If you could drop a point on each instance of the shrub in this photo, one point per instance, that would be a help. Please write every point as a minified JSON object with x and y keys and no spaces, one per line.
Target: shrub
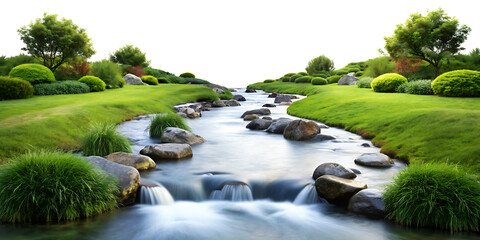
{"x":387,"y":82}
{"x":53,"y":186}
{"x":303,"y":73}
{"x":187,"y":75}
{"x":285,"y":79}
{"x":359,"y":74}
{"x":6,"y":64}
{"x":72,"y":70}
{"x":137,"y":70}
{"x":162,"y":121}
{"x":419,"y":87}
{"x":319,"y":81}
{"x":434,"y":195}
{"x":379,"y":66}
{"x":319,"y":64}
{"x":194,"y":81}
{"x":150,"y":80}
{"x":459,"y":83}
{"x":103,"y":139}
{"x":96,"y":84}
{"x":334,"y":78}
{"x":14,"y":88}
{"x":226,"y":95}
{"x":33,"y":73}
{"x":162,"y":80}
{"x":364,"y":82}
{"x":269,"y":81}
{"x":304,"y":79}
{"x":158,"y":73}
{"x":340,"y":72}
{"x":109,"y":72}
{"x":289,"y":74}
{"x":401,"y":88}
{"x":322,"y":75}
{"x":174,"y":79}
{"x":294,"y":77}
{"x":64,"y":87}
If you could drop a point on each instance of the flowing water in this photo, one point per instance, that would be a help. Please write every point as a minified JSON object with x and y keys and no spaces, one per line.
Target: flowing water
{"x":240,"y":184}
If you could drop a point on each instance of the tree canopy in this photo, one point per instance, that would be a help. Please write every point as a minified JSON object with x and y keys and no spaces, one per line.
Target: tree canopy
{"x":54,"y":42}
{"x":430,"y":38}
{"x":130,"y":55}
{"x":319,"y":64}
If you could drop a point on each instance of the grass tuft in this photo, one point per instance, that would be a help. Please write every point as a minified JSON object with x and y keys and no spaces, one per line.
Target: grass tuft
{"x":103,"y":139}
{"x":162,"y":121}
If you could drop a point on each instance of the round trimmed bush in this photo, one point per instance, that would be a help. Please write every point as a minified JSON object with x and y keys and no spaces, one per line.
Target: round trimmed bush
{"x":434,"y":195}
{"x":14,"y":88}
{"x":364,"y":82}
{"x":334,"y":78}
{"x":285,"y":79}
{"x":294,"y":77}
{"x":187,"y":75}
{"x":103,"y":139}
{"x":459,"y":83}
{"x":96,"y":84}
{"x":319,"y":81}
{"x":150,"y":80}
{"x":387,"y":82}
{"x":162,"y":80}
{"x":303,"y":73}
{"x":269,"y":81}
{"x":42,"y":187}
{"x":33,"y":73}
{"x":304,"y":79}
{"x":162,"y":121}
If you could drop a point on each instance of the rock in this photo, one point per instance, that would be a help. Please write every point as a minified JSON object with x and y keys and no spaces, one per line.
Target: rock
{"x":183,"y":115}
{"x":128,"y":178}
{"x":272,"y":95}
{"x":378,"y":160}
{"x":218,"y":104}
{"x":250,"y":90}
{"x":337,"y":190}
{"x":279,"y":125}
{"x":138,"y":161}
{"x":167,"y":151}
{"x":293,"y":97}
{"x":282,"y":98}
{"x":207,"y":105}
{"x":334,"y":169}
{"x":368,"y":202}
{"x":178,"y":135}
{"x":356,"y":171}
{"x":260,"y":111}
{"x":348,"y":79}
{"x":250,"y":117}
{"x":269,"y":105}
{"x":232,"y":89}
{"x":239,"y":98}
{"x":365,"y":145}
{"x":301,"y":130}
{"x":284,"y":103}
{"x":323,"y":137}
{"x":194,"y":115}
{"x":218,"y":91}
{"x":321,"y":125}
{"x":267,"y":118}
{"x":232,"y":103}
{"x":259,"y":124}
{"x":131,"y":79}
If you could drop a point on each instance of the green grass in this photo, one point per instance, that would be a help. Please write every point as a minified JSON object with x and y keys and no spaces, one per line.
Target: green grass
{"x":227,"y":95}
{"x":103,"y":139}
{"x":409,"y":127}
{"x":162,"y":121}
{"x":60,"y":121}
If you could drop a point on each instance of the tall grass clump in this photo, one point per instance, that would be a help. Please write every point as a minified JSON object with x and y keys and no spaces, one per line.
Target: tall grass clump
{"x":364,"y":82}
{"x":41,"y":187}
{"x":419,"y":87}
{"x":162,"y":121}
{"x":226,"y":95}
{"x":109,"y":72}
{"x":103,"y":139}
{"x":434,"y":195}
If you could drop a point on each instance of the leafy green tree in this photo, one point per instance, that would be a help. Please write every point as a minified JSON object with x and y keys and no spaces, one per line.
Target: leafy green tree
{"x":430,"y":38}
{"x":319,"y":64}
{"x":54,"y":42}
{"x":130,"y":55}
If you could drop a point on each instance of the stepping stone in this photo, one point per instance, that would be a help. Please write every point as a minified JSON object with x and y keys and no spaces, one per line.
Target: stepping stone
{"x":138,"y":161}
{"x":167,"y":151}
{"x":333,"y":169}
{"x":377,"y":160}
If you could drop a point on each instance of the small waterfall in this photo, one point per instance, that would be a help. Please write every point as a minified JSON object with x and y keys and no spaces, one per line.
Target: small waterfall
{"x":308,"y":195}
{"x":157,"y":195}
{"x":235,"y":192}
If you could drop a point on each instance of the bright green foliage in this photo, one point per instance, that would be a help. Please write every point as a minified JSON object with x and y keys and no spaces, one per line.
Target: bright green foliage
{"x":109,"y":72}
{"x":359,"y":73}
{"x":103,"y":139}
{"x":194,"y":81}
{"x":319,"y":81}
{"x":434,"y":195}
{"x":334,"y":78}
{"x":130,"y":55}
{"x":268,"y":81}
{"x":378,"y":66}
{"x":289,"y":74}
{"x":33,"y":73}
{"x":304,"y":79}
{"x":364,"y":82}
{"x":187,"y":75}
{"x":42,"y":187}
{"x":96,"y":84}
{"x":14,"y":88}
{"x":319,"y":64}
{"x":460,"y":83}
{"x":387,"y":82}
{"x":6,"y":64}
{"x":341,"y":72}
{"x":150,"y":80}
{"x":162,"y":80}
{"x":294,"y":77}
{"x":226,"y":95}
{"x":285,"y":79}
{"x":303,"y":73}
{"x":54,"y":42}
{"x":419,"y":87}
{"x":63,"y":87}
{"x":162,"y":121}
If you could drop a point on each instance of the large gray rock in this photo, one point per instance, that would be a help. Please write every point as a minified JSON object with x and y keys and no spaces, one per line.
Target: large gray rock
{"x":301,"y":130}
{"x":131,"y":79}
{"x":368,"y":202}
{"x":377,"y":160}
{"x":333,"y":169}
{"x":250,"y":117}
{"x":279,"y":125}
{"x":239,"y":98}
{"x":232,"y":103}
{"x":282,"y":98}
{"x":337,"y":190}
{"x":178,"y":135}
{"x":218,"y":104}
{"x":218,"y":91}
{"x":167,"y":151}
{"x":348,"y":79}
{"x":260,"y":111}
{"x":138,"y":161}
{"x":259,"y":124}
{"x":128,"y":178}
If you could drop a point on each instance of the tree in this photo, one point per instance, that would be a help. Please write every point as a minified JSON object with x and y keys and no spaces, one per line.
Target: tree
{"x":130,"y":55}
{"x":54,"y":42}
{"x":319,"y":64}
{"x":430,"y":38}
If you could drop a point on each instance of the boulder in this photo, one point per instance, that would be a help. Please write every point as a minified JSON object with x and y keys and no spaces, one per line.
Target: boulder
{"x":167,"y":151}
{"x":337,"y":190}
{"x":267,"y":118}
{"x":377,"y":160}
{"x":323,"y":137}
{"x":269,"y":105}
{"x":232,"y":103}
{"x":259,"y":124}
{"x":333,"y":169}
{"x":348,"y":79}
{"x":368,"y":202}
{"x":279,"y":125}
{"x":138,"y":161}
{"x":272,"y":95}
{"x":128,"y":178}
{"x":260,"y":111}
{"x":232,"y":89}
{"x":218,"y":104}
{"x":301,"y":130}
{"x":282,"y":98}
{"x":131,"y":79}
{"x":250,"y":91}
{"x":250,"y":117}
{"x":239,"y":98}
{"x":365,"y":145}
{"x":178,"y":135}
{"x":218,"y":91}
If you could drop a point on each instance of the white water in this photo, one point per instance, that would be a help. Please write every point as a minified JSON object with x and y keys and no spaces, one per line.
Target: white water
{"x":157,"y":195}
{"x":238,"y":192}
{"x":308,"y":195}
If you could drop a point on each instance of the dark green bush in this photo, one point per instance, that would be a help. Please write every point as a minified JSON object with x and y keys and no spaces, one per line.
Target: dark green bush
{"x":33,"y":73}
{"x":340,"y":72}
{"x":387,"y":82}
{"x":158,"y":73}
{"x":162,"y":80}
{"x":434,"y":195}
{"x":226,"y":95}
{"x":459,"y":83}
{"x":44,"y":186}
{"x":96,"y":84}
{"x":364,"y":82}
{"x":322,"y":75}
{"x":268,"y":81}
{"x":103,"y":139}
{"x":419,"y":87}
{"x":334,"y":79}
{"x":194,"y":81}
{"x":303,"y":73}
{"x":63,"y":87}
{"x":162,"y":121}
{"x":378,"y":66}
{"x":285,"y":79}
{"x":150,"y":80}
{"x":304,"y":79}
{"x":14,"y":88}
{"x":187,"y":75}
{"x":109,"y":72}
{"x":289,"y":74}
{"x":294,"y":77}
{"x":319,"y":81}
{"x":174,"y":79}
{"x":359,"y":74}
